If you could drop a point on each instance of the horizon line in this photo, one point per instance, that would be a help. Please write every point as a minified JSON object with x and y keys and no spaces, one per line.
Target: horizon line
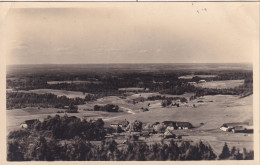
{"x":136,"y":63}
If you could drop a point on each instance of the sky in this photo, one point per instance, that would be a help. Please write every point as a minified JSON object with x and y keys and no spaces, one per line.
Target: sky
{"x":83,"y":33}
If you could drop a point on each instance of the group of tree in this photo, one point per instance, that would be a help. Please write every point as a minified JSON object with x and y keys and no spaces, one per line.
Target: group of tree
{"x":42,"y":149}
{"x":162,"y":97}
{"x":22,"y":100}
{"x":80,"y":150}
{"x":235,"y":154}
{"x":63,"y":128}
{"x":107,"y":108}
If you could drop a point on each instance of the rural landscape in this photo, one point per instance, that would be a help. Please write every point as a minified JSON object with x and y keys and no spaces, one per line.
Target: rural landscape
{"x":130,"y":81}
{"x":124,"y":112}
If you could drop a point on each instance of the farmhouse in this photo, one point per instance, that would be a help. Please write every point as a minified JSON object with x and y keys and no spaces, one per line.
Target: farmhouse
{"x":28,"y":123}
{"x":227,"y":127}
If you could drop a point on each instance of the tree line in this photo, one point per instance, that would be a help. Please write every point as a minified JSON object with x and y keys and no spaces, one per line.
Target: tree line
{"x":22,"y":100}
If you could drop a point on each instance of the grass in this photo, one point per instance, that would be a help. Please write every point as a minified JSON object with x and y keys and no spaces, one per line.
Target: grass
{"x":201,"y":76}
{"x":221,"y":84}
{"x":73,"y":82}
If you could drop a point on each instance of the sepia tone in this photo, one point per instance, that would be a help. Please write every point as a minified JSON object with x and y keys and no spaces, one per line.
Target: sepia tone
{"x":165,"y":81}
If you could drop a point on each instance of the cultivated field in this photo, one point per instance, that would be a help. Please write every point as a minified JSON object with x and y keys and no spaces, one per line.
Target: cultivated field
{"x":221,"y":84}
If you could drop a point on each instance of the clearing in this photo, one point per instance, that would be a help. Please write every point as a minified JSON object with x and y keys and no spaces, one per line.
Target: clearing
{"x":221,"y":84}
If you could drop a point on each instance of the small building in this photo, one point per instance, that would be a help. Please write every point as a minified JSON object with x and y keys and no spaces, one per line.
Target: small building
{"x":28,"y":123}
{"x":184,"y":125}
{"x":192,"y":83}
{"x":169,"y":134}
{"x":170,"y":128}
{"x":202,"y":81}
{"x":115,"y":125}
{"x":23,"y":125}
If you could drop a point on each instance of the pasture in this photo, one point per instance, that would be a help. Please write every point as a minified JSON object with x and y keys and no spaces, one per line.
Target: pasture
{"x":221,"y":84}
{"x":199,"y":75}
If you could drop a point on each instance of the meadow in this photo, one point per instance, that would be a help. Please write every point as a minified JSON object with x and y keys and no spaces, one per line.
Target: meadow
{"x":221,"y":84}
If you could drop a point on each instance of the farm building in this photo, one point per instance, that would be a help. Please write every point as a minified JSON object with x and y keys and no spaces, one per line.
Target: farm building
{"x":169,"y":123}
{"x":169,"y":134}
{"x":202,"y":81}
{"x":28,"y":123}
{"x":192,"y":83}
{"x":184,"y":125}
{"x":115,"y":125}
{"x":243,"y":129}
{"x":170,"y":128}
{"x":177,"y":125}
{"x":227,"y":127}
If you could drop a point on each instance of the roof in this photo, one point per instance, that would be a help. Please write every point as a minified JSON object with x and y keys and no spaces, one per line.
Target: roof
{"x":168,"y":133}
{"x":169,"y":122}
{"x":244,"y":128}
{"x":30,"y":121}
{"x":235,"y":124}
{"x":183,"y":124}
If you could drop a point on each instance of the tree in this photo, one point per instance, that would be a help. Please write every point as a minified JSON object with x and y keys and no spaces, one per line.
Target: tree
{"x":14,"y":152}
{"x":41,"y":150}
{"x":72,"y":108}
{"x":225,"y":154}
{"x":137,"y":126}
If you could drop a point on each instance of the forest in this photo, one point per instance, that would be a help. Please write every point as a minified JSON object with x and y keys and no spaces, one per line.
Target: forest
{"x":16,"y":100}
{"x":163,"y":82}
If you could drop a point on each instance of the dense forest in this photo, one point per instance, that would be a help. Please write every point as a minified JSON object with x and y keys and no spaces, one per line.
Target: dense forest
{"x":48,"y":140}
{"x":48,"y":100}
{"x":109,"y":83}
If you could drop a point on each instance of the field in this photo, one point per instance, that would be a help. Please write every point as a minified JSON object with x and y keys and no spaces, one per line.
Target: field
{"x":73,"y":82}
{"x":69,"y":94}
{"x":221,"y":84}
{"x":131,"y":89}
{"x":212,"y":111}
{"x":201,"y":76}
